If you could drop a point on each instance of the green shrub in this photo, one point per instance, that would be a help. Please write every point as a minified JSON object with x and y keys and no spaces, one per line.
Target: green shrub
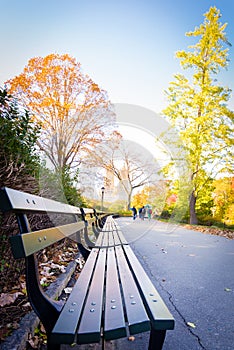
{"x":18,"y":137}
{"x":125,"y":213}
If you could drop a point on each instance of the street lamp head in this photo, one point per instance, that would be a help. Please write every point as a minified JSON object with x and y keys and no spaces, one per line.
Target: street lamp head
{"x":103,"y":188}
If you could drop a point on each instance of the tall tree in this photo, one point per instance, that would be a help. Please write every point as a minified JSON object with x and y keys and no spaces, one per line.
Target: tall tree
{"x":127,"y":163}
{"x":74,"y":113}
{"x":199,"y":110}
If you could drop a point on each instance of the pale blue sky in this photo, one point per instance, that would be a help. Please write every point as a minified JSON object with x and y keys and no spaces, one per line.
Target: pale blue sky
{"x":125,"y":46}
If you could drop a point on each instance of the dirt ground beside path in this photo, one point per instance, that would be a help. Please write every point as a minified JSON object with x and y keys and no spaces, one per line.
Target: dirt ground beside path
{"x":227,"y":233}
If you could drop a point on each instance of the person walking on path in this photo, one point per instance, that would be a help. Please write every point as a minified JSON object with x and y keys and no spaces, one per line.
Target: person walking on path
{"x":149,"y":213}
{"x":134,"y":213}
{"x":142,"y":213}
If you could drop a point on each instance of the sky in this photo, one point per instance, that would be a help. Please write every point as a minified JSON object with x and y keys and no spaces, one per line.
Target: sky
{"x":127,"y":47}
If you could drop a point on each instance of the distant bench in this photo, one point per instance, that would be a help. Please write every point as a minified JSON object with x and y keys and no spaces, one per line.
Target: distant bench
{"x":112,"y":298}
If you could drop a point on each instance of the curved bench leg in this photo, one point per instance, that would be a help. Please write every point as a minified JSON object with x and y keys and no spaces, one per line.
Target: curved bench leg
{"x":156,"y":339}
{"x":88,"y":242}
{"x":96,"y":231}
{"x":84,"y":252}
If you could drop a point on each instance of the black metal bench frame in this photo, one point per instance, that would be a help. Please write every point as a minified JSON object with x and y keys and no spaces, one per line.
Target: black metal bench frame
{"x":113,"y":296}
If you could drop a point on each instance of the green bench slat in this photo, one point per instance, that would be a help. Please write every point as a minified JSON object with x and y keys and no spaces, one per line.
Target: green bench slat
{"x":121,"y":237}
{"x":29,"y":243}
{"x":114,"y":326}
{"x":160,"y":316}
{"x":137,"y":318}
{"x":64,"y":331}
{"x":111,"y":240}
{"x":110,"y":236}
{"x":99,"y":240}
{"x":105,"y":241}
{"x":25,"y":202}
{"x":89,"y":330}
{"x":116,"y":238}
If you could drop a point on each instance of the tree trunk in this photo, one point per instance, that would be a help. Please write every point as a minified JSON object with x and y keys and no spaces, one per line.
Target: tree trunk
{"x":193,"y":217}
{"x":129,"y":201}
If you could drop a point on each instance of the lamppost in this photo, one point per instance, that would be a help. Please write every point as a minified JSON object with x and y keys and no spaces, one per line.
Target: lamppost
{"x":102,"y":189}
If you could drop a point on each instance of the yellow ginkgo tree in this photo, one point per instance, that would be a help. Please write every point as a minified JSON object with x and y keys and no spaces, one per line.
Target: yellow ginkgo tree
{"x":198,"y":106}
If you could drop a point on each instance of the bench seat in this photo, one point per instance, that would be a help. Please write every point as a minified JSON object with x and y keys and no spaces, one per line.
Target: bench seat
{"x":113,"y":296}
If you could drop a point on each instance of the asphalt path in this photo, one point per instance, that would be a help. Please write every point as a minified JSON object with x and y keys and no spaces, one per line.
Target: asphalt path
{"x":193,"y":273}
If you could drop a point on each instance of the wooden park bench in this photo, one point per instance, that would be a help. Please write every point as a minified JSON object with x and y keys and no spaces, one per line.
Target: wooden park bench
{"x":113,"y":296}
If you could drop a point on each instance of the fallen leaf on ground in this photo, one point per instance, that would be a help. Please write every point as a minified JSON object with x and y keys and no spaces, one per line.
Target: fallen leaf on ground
{"x":42,"y":328}
{"x":131,"y":338}
{"x":8,"y":298}
{"x":68,"y":290}
{"x":26,"y":305}
{"x":79,"y":262}
{"x":191,"y":324}
{"x":33,"y":342}
{"x":163,"y":250}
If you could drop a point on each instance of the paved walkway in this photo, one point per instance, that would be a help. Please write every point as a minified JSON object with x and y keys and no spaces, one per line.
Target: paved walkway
{"x":193,"y":272}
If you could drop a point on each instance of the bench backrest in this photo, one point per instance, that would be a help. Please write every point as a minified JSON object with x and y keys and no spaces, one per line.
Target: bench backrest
{"x":22,"y":203}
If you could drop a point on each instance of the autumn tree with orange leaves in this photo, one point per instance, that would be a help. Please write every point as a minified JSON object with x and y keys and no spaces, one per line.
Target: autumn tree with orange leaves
{"x":74,"y":113}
